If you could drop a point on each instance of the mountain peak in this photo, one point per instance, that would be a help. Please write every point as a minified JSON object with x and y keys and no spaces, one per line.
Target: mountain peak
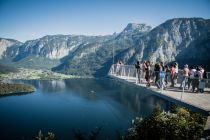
{"x":137,"y":27}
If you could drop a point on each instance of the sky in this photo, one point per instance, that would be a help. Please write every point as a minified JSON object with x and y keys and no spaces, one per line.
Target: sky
{"x":31,"y":19}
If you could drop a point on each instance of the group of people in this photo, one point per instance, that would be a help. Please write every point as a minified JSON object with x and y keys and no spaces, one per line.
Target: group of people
{"x":195,"y":77}
{"x":163,"y":74}
{"x":158,"y":73}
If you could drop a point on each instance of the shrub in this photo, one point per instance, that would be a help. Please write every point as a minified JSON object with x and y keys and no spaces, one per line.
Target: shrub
{"x":181,"y":124}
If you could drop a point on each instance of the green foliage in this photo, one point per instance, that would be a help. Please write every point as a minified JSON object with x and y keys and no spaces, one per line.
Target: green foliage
{"x":78,"y":135}
{"x":33,"y":62}
{"x":49,"y":136}
{"x":39,"y":136}
{"x":156,"y":111}
{"x":180,"y":125}
{"x":7,"y":69}
{"x":6,"y":89}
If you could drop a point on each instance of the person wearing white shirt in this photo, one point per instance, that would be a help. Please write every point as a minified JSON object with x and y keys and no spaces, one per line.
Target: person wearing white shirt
{"x":191,"y":73}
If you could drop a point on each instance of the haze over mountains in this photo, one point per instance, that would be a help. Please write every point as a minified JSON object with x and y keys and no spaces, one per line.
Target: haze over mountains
{"x":186,"y":40}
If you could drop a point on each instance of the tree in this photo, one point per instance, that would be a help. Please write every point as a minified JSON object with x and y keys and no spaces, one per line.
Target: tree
{"x":180,"y":124}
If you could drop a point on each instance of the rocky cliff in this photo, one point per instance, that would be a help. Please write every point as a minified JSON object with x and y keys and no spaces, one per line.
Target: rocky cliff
{"x":8,"y":47}
{"x":168,"y":41}
{"x":186,"y":40}
{"x":96,"y":58}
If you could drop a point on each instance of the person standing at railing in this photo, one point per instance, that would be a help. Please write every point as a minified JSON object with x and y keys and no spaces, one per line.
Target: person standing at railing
{"x":138,"y":71}
{"x":118,"y":68}
{"x":172,"y":75}
{"x":195,"y":81}
{"x":162,"y":75}
{"x":162,"y":78}
{"x":122,"y":69}
{"x":202,"y":81}
{"x":202,"y":71}
{"x":144,"y":69}
{"x":168,"y":73}
{"x":176,"y":72}
{"x":156,"y":71}
{"x":148,"y":73}
{"x":191,"y":76}
{"x":205,"y":76}
{"x":185,"y":75}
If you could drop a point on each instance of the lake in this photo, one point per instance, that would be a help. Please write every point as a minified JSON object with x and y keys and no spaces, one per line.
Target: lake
{"x":78,"y":104}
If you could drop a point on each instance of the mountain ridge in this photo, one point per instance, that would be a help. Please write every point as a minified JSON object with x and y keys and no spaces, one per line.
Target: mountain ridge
{"x":92,"y":55}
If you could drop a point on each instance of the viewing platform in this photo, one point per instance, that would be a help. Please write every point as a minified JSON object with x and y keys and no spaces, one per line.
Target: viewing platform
{"x":175,"y":94}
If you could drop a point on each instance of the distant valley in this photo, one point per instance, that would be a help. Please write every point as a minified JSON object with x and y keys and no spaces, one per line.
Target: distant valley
{"x":185,"y":40}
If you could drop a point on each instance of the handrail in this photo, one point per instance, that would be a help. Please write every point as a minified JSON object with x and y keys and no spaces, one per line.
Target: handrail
{"x":122,"y":67}
{"x":129,"y":71}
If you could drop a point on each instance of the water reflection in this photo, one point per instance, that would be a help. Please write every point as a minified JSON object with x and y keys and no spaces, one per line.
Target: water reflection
{"x":132,"y":98}
{"x":82,"y":104}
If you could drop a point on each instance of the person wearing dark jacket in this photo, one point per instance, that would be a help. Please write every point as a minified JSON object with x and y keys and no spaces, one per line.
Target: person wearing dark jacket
{"x":138,"y":71}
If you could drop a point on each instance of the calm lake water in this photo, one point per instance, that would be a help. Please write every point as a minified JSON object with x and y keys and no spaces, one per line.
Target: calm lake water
{"x":80,"y":104}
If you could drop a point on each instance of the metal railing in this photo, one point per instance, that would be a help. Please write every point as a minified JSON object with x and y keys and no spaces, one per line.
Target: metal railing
{"x":123,"y":70}
{"x":130,"y":72}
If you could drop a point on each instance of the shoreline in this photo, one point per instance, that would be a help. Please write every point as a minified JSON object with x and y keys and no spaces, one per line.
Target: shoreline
{"x":33,"y":74}
{"x":8,"y":89}
{"x":15,"y":93}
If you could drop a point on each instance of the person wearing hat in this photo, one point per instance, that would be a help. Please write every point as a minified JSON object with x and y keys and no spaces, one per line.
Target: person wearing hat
{"x":185,"y":74}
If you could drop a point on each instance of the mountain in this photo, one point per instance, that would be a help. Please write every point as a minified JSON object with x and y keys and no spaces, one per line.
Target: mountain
{"x":186,"y":40}
{"x":55,"y":46}
{"x":8,"y":45}
{"x":135,"y":28}
{"x":96,"y":58}
{"x":48,"y":51}
{"x":6,"y":69}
